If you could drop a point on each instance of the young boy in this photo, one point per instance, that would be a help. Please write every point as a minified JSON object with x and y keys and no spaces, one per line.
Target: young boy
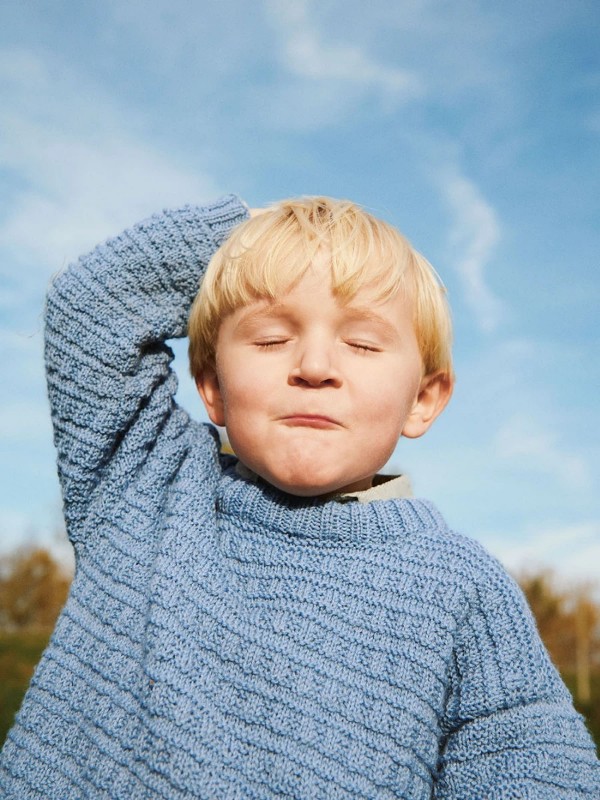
{"x":285,"y":625}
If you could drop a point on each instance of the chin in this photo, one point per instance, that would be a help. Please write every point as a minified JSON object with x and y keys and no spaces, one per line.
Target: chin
{"x":301,"y":487}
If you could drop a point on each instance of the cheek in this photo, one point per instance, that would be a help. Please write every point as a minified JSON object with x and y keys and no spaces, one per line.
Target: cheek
{"x":238,"y":399}
{"x":379,"y":390}
{"x":235,"y":381}
{"x":389,"y":398}
{"x":244,"y":395}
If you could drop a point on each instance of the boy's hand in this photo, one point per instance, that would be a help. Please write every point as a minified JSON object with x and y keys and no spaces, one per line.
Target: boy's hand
{"x":254,"y":212}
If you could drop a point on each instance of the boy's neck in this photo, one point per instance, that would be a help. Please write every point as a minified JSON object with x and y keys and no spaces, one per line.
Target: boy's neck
{"x":383,"y":487}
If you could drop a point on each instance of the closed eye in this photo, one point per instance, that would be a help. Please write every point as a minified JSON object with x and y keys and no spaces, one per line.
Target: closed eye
{"x":361,"y":347}
{"x":271,"y":344}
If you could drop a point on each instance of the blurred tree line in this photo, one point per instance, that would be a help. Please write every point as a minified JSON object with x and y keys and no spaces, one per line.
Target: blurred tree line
{"x":34,"y":585}
{"x":33,"y":589}
{"x":568,"y":619}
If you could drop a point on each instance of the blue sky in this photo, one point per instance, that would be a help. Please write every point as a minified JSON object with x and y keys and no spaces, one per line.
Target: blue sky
{"x":474,"y":127}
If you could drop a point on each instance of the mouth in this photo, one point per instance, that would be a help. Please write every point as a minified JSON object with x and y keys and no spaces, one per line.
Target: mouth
{"x":310,"y":421}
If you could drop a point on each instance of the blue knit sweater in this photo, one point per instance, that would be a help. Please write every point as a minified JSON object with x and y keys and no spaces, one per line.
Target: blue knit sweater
{"x":225,"y":640}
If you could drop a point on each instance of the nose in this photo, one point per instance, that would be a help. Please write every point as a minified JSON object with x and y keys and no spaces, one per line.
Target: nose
{"x":315,"y":366}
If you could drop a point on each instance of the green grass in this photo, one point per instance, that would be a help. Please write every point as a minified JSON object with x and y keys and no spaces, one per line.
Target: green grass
{"x":19,"y":654}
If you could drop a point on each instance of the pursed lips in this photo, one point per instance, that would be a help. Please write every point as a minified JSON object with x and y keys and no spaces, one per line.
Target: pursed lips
{"x":310,"y":421}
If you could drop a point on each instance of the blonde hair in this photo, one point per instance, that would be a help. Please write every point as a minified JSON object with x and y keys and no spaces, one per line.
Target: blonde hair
{"x":268,"y":254}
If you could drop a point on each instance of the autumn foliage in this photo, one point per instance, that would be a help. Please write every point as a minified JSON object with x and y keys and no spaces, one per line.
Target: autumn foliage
{"x":569,"y":624}
{"x":33,"y":589}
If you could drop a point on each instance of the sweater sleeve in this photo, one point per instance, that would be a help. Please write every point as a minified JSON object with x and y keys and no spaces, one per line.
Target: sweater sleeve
{"x":107,"y":319}
{"x":512,"y":728}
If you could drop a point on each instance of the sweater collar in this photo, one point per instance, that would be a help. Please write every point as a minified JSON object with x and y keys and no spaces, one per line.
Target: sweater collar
{"x":257,"y":505}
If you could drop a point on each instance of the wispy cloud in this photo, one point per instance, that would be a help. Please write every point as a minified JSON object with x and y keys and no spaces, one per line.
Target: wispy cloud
{"x":309,"y":54}
{"x":572,"y":550}
{"x":522,"y":439}
{"x":475,"y":232}
{"x":328,"y":77}
{"x":78,"y":177}
{"x":74,"y":172}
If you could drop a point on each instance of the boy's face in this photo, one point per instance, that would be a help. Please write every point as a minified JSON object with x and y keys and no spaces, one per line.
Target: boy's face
{"x":314,"y":393}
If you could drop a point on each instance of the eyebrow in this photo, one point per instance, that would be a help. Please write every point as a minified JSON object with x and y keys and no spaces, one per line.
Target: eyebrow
{"x":276,"y":310}
{"x":272,"y":310}
{"x":366,"y":314}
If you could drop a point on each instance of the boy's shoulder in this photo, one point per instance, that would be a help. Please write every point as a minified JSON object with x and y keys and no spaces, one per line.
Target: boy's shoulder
{"x":446,"y":548}
{"x":452,"y":557}
{"x":493,"y":600}
{"x":460,"y":549}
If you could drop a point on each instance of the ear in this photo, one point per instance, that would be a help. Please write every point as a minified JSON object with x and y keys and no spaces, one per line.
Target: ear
{"x":208,"y":387}
{"x":434,"y":393}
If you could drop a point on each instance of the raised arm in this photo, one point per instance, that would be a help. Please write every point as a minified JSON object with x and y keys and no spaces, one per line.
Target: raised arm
{"x":107,"y":318}
{"x":513,"y":732}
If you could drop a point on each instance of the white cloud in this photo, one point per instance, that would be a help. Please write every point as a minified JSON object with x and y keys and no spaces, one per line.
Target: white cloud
{"x":474,"y":235}
{"x":573,"y":551}
{"x":524,"y":441}
{"x":82,"y":174}
{"x":328,"y":77}
{"x":74,"y":172}
{"x":307,"y":54}
{"x":104,"y":185}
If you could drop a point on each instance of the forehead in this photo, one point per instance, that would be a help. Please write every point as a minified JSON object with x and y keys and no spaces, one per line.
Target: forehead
{"x":313,"y":299}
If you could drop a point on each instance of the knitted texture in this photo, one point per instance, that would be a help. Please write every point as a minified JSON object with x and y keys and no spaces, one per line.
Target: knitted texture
{"x":225,"y":640}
